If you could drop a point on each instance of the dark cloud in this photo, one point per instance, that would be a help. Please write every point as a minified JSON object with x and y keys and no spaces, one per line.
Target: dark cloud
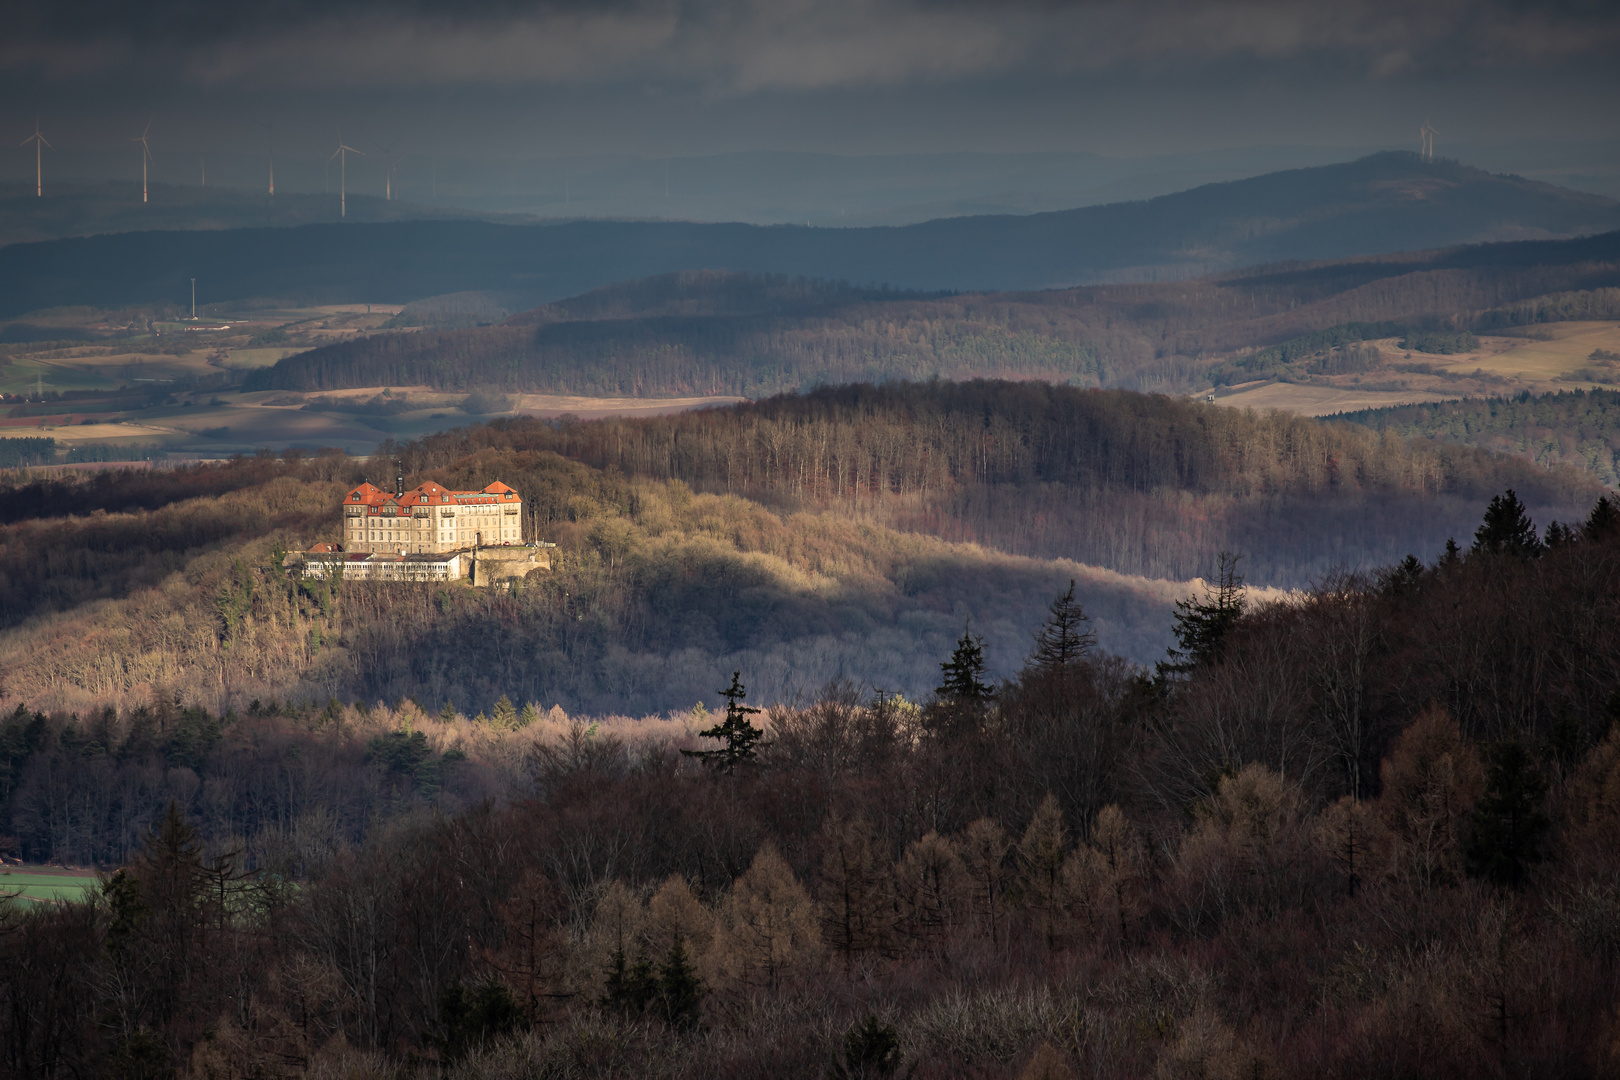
{"x":746,"y":46}
{"x":502,"y":80}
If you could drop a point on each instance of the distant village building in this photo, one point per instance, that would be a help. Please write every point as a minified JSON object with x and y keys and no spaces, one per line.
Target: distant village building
{"x":429,"y":533}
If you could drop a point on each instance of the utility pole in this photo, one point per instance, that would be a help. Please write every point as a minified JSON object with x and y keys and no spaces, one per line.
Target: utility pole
{"x":193,"y":299}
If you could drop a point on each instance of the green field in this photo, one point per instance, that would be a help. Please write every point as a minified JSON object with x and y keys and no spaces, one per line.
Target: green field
{"x":36,"y":883}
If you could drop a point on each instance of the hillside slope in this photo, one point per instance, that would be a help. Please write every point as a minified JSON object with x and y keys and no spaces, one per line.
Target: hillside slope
{"x":1139,"y":484}
{"x":660,"y":593}
{"x":1574,"y":427}
{"x":1385,"y":202}
{"x":713,"y":332}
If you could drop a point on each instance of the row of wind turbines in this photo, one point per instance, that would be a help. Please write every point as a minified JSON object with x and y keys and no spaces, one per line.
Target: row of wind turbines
{"x":340,"y":155}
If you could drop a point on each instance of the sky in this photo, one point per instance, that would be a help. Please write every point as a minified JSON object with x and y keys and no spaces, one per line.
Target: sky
{"x":672,"y":78}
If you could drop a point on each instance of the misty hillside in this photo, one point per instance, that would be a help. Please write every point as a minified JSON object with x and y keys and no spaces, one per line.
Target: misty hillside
{"x":713,"y":332}
{"x":1382,"y":203}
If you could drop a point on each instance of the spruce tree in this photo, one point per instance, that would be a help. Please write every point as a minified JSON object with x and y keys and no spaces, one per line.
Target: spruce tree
{"x":738,"y":735}
{"x":629,"y":988}
{"x":1560,"y":535}
{"x":680,"y":990}
{"x":505,"y":718}
{"x":1604,"y":520}
{"x":1508,"y":822}
{"x":1065,"y":638}
{"x":964,"y":672}
{"x":1202,"y":625}
{"x":1507,"y":529}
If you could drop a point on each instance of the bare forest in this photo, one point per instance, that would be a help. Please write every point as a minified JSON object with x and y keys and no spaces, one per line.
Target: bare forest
{"x":1141,"y":485}
{"x":1367,"y":831}
{"x":713,"y":332}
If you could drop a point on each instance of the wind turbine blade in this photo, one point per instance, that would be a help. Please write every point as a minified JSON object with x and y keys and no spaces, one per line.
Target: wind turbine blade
{"x":335,"y":153}
{"x":44,"y":140}
{"x":148,"y":130}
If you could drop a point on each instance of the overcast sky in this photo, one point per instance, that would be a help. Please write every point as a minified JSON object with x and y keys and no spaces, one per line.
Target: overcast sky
{"x":501,"y":77}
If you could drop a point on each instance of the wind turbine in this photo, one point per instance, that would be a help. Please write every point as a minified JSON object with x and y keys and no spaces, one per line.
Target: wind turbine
{"x":146,"y":156}
{"x":39,"y":142}
{"x":270,"y":143}
{"x":342,"y":154}
{"x":388,"y":155}
{"x":1427,"y":133}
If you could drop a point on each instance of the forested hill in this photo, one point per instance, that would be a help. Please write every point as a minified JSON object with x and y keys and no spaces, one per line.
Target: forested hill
{"x":1140,"y":484}
{"x":1575,"y":427}
{"x":1385,"y":202}
{"x":715,"y":332}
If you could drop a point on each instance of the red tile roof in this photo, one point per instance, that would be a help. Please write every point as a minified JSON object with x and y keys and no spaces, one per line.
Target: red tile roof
{"x":425,"y":494}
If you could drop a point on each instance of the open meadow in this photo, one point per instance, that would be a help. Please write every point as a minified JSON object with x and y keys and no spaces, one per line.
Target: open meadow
{"x":45,"y":884}
{"x":1539,"y":360}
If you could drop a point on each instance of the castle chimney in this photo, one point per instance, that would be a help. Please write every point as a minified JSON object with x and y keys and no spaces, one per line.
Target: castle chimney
{"x":399,"y":480}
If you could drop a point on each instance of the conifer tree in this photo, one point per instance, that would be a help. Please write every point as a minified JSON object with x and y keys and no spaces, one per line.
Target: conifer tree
{"x":740,"y":737}
{"x":1507,"y":529}
{"x":629,"y":988}
{"x":1604,"y":520}
{"x":1065,"y":638}
{"x":679,"y":989}
{"x":505,"y":718}
{"x":1202,"y":625}
{"x":964,"y":672}
{"x":1508,"y":821}
{"x":1560,"y":535}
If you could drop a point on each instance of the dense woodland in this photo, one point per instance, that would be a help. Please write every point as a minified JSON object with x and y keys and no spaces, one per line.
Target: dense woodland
{"x":719,"y":333}
{"x":841,"y":534}
{"x":1571,"y":427}
{"x":1139,"y":484}
{"x":1367,"y":832}
{"x":659,"y":592}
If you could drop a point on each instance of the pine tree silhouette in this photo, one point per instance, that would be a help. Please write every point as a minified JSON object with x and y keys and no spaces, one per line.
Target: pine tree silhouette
{"x":1604,"y":520}
{"x":1509,"y":823}
{"x":1064,"y":639}
{"x":1202,"y":625}
{"x":680,"y":991}
{"x":963,"y":673}
{"x":739,"y":736}
{"x":1507,"y":529}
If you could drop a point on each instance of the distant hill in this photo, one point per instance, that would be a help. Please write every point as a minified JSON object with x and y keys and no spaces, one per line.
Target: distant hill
{"x":713,"y":332}
{"x":1137,"y":483}
{"x":1385,"y":202}
{"x":1579,"y":428}
{"x":76,"y":210}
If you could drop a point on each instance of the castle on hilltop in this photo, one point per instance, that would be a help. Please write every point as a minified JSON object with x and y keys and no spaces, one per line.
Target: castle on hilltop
{"x":430,"y":533}
{"x":430,"y":520}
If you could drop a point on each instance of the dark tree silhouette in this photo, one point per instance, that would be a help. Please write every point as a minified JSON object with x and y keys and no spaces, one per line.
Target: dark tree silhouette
{"x":679,"y":998}
{"x":1508,"y":822}
{"x":1507,"y":529}
{"x":739,"y":736}
{"x":964,"y":673}
{"x":1604,"y":520}
{"x":1065,"y":638}
{"x":1202,"y":625}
